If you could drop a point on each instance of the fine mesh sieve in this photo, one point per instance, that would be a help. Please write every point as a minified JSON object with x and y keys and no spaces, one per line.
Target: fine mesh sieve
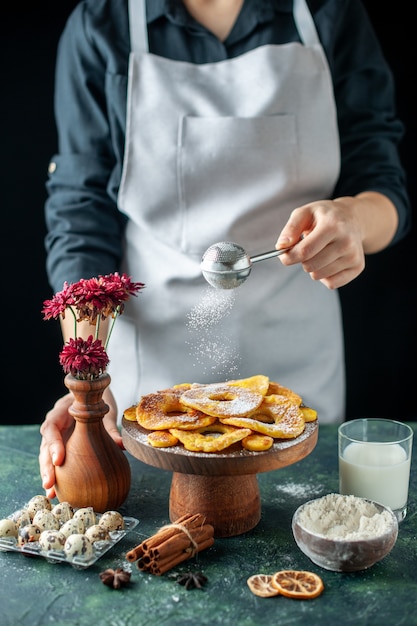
{"x":226,"y":265}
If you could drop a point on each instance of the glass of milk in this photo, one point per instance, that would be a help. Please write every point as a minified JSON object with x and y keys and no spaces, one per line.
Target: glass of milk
{"x":374,"y":461}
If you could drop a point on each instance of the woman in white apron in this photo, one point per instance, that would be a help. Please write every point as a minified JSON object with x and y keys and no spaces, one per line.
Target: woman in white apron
{"x":225,"y":152}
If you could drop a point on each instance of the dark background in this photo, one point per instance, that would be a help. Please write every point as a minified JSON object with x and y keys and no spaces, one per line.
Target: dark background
{"x":380,"y":321}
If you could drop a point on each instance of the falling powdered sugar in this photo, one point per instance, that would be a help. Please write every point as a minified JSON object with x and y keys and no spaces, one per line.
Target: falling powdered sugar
{"x":212,"y":348}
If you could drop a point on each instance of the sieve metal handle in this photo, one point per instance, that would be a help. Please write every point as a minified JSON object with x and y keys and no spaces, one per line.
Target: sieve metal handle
{"x":269,"y":255}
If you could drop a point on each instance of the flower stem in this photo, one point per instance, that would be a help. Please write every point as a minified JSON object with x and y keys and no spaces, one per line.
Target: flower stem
{"x":114,"y":317}
{"x":75,"y":321}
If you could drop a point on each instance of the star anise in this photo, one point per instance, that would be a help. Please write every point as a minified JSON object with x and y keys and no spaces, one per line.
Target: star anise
{"x":115,"y":578}
{"x":190,"y":580}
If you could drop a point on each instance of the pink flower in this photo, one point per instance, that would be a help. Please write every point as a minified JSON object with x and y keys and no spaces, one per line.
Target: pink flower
{"x":84,"y":359}
{"x":90,"y":300}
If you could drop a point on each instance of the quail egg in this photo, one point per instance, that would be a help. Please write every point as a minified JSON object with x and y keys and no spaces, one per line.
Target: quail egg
{"x":73,"y":526}
{"x":52,"y":540}
{"x":112,"y":520}
{"x":38,"y":503}
{"x":22,"y":518}
{"x":87,"y":515}
{"x":78,"y":546}
{"x":97,"y":533}
{"x":63,"y":511}
{"x":46,"y":520}
{"x":8,"y":528}
{"x":28,"y":534}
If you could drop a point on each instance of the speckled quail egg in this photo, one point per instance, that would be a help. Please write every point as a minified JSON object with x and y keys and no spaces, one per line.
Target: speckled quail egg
{"x":22,"y":518}
{"x":15,"y":516}
{"x":8,"y":529}
{"x":97,"y":533}
{"x":63,"y":511}
{"x":73,"y":526}
{"x":52,"y":540}
{"x":78,"y":546}
{"x":37,"y":503}
{"x":45,"y":520}
{"x":87,"y":515}
{"x":28,"y":534}
{"x":112,"y":520}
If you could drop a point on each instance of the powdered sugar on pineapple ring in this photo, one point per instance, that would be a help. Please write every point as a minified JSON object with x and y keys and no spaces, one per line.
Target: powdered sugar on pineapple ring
{"x":163,"y":410}
{"x":222,"y":400}
{"x":277,"y":417}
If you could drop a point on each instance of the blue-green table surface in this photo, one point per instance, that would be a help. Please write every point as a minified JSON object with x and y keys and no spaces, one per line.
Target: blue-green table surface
{"x":34,"y":592}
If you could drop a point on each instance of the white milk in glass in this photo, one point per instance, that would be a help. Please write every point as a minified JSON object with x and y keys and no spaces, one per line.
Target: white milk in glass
{"x":375,"y":471}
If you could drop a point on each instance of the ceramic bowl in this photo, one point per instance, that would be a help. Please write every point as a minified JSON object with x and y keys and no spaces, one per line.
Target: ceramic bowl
{"x":347,"y":542}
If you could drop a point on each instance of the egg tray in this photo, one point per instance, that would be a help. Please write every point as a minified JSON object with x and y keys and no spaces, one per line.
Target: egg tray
{"x":58,"y":556}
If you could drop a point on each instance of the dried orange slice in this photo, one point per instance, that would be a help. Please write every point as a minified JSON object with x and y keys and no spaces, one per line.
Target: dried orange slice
{"x":260,"y":585}
{"x":297,"y":584}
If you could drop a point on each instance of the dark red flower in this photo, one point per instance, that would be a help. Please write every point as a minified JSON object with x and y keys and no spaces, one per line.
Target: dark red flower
{"x":91,"y":300}
{"x":84,"y":358}
{"x":103,"y":296}
{"x":54,"y":308}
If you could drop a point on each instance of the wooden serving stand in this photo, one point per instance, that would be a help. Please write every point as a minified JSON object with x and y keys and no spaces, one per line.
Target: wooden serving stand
{"x":222,"y":486}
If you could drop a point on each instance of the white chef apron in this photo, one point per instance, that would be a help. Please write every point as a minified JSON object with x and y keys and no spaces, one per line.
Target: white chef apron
{"x":216,"y":152}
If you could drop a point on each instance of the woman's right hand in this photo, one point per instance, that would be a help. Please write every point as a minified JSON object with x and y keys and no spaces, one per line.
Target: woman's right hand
{"x":56,"y":429}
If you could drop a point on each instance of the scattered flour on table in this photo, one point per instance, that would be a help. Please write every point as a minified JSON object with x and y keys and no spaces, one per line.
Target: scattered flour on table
{"x":210,"y":345}
{"x":338,"y":516}
{"x":299,"y":489}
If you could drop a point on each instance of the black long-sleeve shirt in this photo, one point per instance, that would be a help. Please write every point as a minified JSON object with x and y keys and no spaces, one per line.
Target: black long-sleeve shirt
{"x":85,"y":228}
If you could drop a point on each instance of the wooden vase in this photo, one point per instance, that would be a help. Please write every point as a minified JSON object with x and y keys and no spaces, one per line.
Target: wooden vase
{"x":96,"y":471}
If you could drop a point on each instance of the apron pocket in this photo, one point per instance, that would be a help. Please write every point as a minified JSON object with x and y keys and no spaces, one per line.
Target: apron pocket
{"x":232,"y":173}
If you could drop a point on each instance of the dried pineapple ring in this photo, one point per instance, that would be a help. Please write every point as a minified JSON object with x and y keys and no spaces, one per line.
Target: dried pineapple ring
{"x":162,"y":439}
{"x":258,"y":383}
{"x":310,"y":415}
{"x":222,"y":399}
{"x":257,"y":443}
{"x":130,"y":413}
{"x":260,"y":585}
{"x":276,"y":417}
{"x":201,"y":440}
{"x":275,"y":389}
{"x":162,"y":410}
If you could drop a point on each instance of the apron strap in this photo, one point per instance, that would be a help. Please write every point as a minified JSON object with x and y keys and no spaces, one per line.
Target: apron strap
{"x":305,"y":23}
{"x":139,"y":31}
{"x":138,"y":27}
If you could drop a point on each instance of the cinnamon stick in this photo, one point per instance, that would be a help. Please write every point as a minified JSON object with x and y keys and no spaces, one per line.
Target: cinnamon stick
{"x":135,"y":554}
{"x":173,"y":544}
{"x":188,"y":521}
{"x":164,"y":565}
{"x":181,"y":542}
{"x":160,"y":567}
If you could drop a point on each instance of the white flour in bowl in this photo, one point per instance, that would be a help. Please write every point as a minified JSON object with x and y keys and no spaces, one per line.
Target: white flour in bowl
{"x":336,"y":516}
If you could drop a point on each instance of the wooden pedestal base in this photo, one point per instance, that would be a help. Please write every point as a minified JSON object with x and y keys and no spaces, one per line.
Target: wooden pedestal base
{"x":231,"y":504}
